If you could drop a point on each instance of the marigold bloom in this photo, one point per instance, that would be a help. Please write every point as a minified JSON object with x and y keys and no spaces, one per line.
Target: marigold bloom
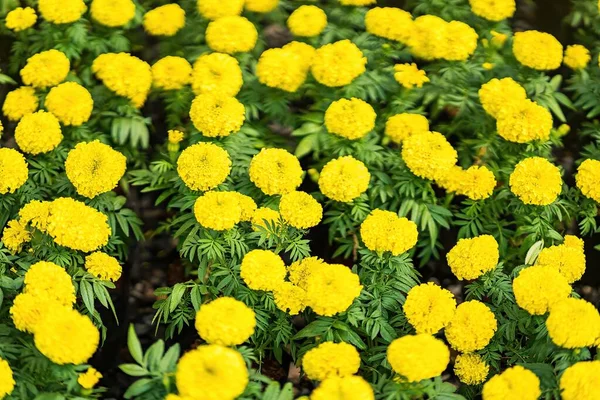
{"x":289,"y":298}
{"x":233,"y":34}
{"x":409,"y":75}
{"x":38,"y":133}
{"x":7,"y":382}
{"x":165,"y":20}
{"x":514,"y":382}
{"x":300,"y":271}
{"x":262,"y":216}
{"x":89,"y":378}
{"x":350,"y":118}
{"x":283,"y":68}
{"x":471,"y":258}
{"x":460,"y":41}
{"x":203,"y":166}
{"x":400,"y":126}
{"x":538,"y":288}
{"x":70,"y":102}
{"x":103,"y":266}
{"x":215,"y":115}
{"x":472,"y":327}
{"x":471,"y":368}
{"x":44,"y":69}
{"x":175,"y":137}
{"x":493,"y":10}
{"x":15,"y":235}
{"x":275,"y":171}
{"x":171,"y":73}
{"x":537,"y":50}
{"x":307,"y":20}
{"x":339,"y":63}
{"x":112,"y":13}
{"x":524,"y":121}
{"x":21,"y":18}
{"x":343,"y":388}
{"x":344,"y":179}
{"x":20,"y":102}
{"x":28,"y":309}
{"x":390,"y":23}
{"x":217,"y":73}
{"x":261,"y":6}
{"x":300,"y":210}
{"x":247,"y":205}
{"x":576,"y":57}
{"x":357,"y":3}
{"x":536,"y":181}
{"x":215,"y":9}
{"x":384,"y":231}
{"x":418,"y":357}
{"x":568,"y":258}
{"x":225,"y":321}
{"x":573,"y":323}
{"x":36,"y":214}
{"x":218,"y":210}
{"x":588,"y":179}
{"x":429,"y":308}
{"x":330,"y":359}
{"x":476,"y":182}
{"x":332,"y":289}
{"x":13,"y":170}
{"x":262,"y":270}
{"x":497,"y":94}
{"x":580,"y":381}
{"x":428,"y":37}
{"x":124,"y":74}
{"x":61,"y":11}
{"x":428,"y":155}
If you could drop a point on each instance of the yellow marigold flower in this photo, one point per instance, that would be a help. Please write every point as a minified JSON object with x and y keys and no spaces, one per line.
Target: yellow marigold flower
{"x":304,"y":50}
{"x":262,"y":270}
{"x":300,"y":210}
{"x":94,"y":168}
{"x":218,"y":210}
{"x":576,"y":57}
{"x":171,"y":73}
{"x":61,"y":11}
{"x":350,"y":118}
{"x":66,"y":337}
{"x":343,"y":388}
{"x":580,"y":381}
{"x":7,"y":382}
{"x":215,"y":9}
{"x":429,"y":308}
{"x":215,"y":115}
{"x":27,"y":310}
{"x":384,"y":231}
{"x":390,"y":23}
{"x":203,"y":166}
{"x":471,"y":258}
{"x":261,"y":6}
{"x":498,"y":94}
{"x":231,"y":35}
{"x":409,"y":75}
{"x":472,"y":327}
{"x":15,"y":235}
{"x":331,"y":359}
{"x":211,"y":372}
{"x":48,"y":68}
{"x":70,"y":102}
{"x":112,"y":13}
{"x":217,"y":73}
{"x":428,"y":39}
{"x":460,"y":41}
{"x":77,"y":226}
{"x":36,"y":214}
{"x":524,"y":121}
{"x":400,"y":126}
{"x":538,"y":288}
{"x":49,"y":282}
{"x":21,"y":18}
{"x":428,"y":155}
{"x":89,"y":378}
{"x":38,"y":132}
{"x":418,"y":357}
{"x":282,"y":68}
{"x":493,"y":10}
{"x":262,"y":216}
{"x":573,"y":323}
{"x":476,"y":182}
{"x":247,"y":205}
{"x":514,"y":382}
{"x":20,"y":102}
{"x":13,"y":170}
{"x":165,"y":20}
{"x":225,"y":321}
{"x":289,"y":298}
{"x":124,"y":74}
{"x":300,"y":271}
{"x":307,"y":21}
{"x":103,"y":266}
{"x":275,"y":171}
{"x":175,"y":137}
{"x":471,"y":368}
{"x":568,"y":260}
{"x":339,"y":63}
{"x":536,"y":181}
{"x":537,"y":50}
{"x":357,"y":3}
{"x":498,"y":39}
{"x":344,"y":179}
{"x":332,"y":289}
{"x":588,"y":179}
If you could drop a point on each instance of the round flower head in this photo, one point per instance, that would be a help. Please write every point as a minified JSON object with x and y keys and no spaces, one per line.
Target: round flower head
{"x":38,"y":133}
{"x":428,"y":39}
{"x":35,"y":213}
{"x":460,"y":41}
{"x":300,"y":210}
{"x":7,"y":382}
{"x":343,"y":388}
{"x":567,"y":258}
{"x":418,"y":357}
{"x":539,"y":287}
{"x":344,"y":179}
{"x":536,"y":181}
{"x":124,"y":74}
{"x":94,"y":168}
{"x":264,"y":216}
{"x":165,"y":20}
{"x":514,"y":383}
{"x":573,"y":323}
{"x":203,"y":166}
{"x":390,"y":23}
{"x":66,"y":337}
{"x":289,"y":298}
{"x":171,"y":73}
{"x":77,"y":226}
{"x":211,"y":372}
{"x":300,"y":271}
{"x":331,"y":359}
{"x":400,"y":126}
{"x":89,"y":378}
{"x":218,"y":210}
{"x":537,"y":50}
{"x":476,"y":182}
{"x":47,"y":281}
{"x":20,"y":102}
{"x":13,"y":170}
{"x":471,"y":369}
{"x":283,"y":69}
{"x":498,"y":94}
{"x":332,"y":289}
{"x":307,"y":21}
{"x":48,"y":68}
{"x":339,"y":63}
{"x":231,"y":35}
{"x":15,"y":235}
{"x":588,"y":179}
{"x":384,"y":231}
{"x":20,"y":19}
{"x":493,"y":10}
{"x":472,"y":327}
{"x":247,"y":205}
{"x":576,"y":57}
{"x":216,"y":115}
{"x":262,"y":270}
{"x":351,"y":119}
{"x":112,"y":13}
{"x":409,"y":75}
{"x":225,"y":321}
{"x":217,"y":73}
{"x":215,"y":9}
{"x":261,"y":6}
{"x":275,"y":171}
{"x":70,"y":102}
{"x":471,"y":258}
{"x":524,"y":121}
{"x":27,"y":311}
{"x":428,"y":155}
{"x":580,"y":381}
{"x":429,"y":308}
{"x":61,"y":11}
{"x":103,"y":266}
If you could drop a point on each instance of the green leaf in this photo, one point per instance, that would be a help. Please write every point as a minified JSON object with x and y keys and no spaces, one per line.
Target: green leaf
{"x":134,"y":346}
{"x":139,"y":387}
{"x":169,"y":361}
{"x":133,"y":370}
{"x":87,"y":294}
{"x":176,"y":296}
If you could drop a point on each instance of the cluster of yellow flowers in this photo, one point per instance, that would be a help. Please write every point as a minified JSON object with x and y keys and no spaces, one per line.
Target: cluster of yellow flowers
{"x":285,"y":68}
{"x":350,"y":118}
{"x":384,"y":231}
{"x":537,"y":50}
